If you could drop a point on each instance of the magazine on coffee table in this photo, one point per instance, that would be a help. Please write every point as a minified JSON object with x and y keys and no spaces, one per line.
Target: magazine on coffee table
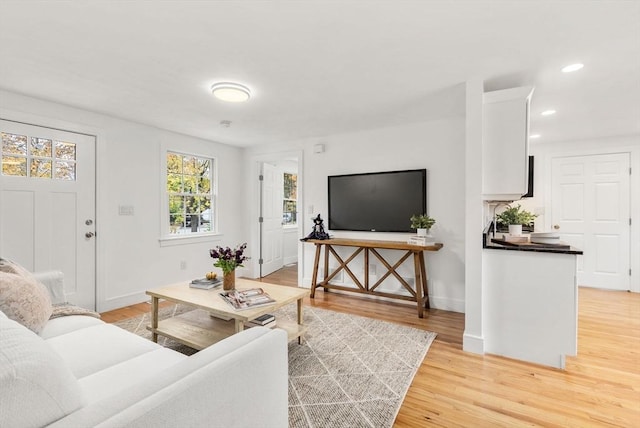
{"x":246,"y":299}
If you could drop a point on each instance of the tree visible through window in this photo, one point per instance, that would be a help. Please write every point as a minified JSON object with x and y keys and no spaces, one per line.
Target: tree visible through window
{"x":189,"y":192}
{"x":24,"y":156}
{"x":290,"y":201}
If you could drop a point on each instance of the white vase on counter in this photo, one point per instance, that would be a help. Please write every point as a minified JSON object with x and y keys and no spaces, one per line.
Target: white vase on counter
{"x":515,"y":229}
{"x":422,"y":232}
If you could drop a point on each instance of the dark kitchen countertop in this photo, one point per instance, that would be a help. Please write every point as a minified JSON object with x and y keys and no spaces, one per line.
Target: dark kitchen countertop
{"x":486,"y":243}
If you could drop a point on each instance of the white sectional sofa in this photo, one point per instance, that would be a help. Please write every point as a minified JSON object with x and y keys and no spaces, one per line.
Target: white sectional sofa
{"x":81,"y":372}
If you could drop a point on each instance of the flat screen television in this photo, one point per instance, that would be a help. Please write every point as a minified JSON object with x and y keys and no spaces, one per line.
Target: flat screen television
{"x":529,"y":193}
{"x":377,"y":201}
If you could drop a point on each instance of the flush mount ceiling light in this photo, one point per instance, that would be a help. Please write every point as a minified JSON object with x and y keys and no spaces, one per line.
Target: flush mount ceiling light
{"x":230,"y":92}
{"x":573,"y":67}
{"x":548,"y":112}
{"x":534,"y":136}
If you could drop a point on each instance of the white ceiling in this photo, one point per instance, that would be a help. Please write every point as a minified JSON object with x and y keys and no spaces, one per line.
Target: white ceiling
{"x":318,"y":68}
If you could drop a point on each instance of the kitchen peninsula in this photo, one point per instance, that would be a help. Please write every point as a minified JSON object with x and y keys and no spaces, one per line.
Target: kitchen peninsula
{"x":530,"y":302}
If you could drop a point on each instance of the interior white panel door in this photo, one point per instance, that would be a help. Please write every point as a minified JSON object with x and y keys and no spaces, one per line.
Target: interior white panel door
{"x":47,"y":214}
{"x":272,"y":233}
{"x":590,"y":205}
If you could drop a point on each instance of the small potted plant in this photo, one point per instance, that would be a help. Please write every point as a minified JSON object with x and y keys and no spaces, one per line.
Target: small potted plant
{"x":422,"y":223}
{"x":515,"y":217}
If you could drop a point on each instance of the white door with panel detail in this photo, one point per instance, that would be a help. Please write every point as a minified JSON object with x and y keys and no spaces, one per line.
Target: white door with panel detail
{"x":47,"y":204}
{"x":591,"y":210}
{"x":271,"y":202}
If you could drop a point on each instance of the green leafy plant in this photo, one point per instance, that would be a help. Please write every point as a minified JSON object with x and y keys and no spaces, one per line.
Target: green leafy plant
{"x":514,"y":215}
{"x":422,"y":221}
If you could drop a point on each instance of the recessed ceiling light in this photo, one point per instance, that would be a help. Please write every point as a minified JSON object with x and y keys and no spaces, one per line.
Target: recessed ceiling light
{"x":534,"y":136}
{"x":572,"y":68}
{"x":548,"y":112}
{"x":231,"y":92}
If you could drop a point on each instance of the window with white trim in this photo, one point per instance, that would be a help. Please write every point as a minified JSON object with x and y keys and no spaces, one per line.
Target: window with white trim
{"x":190,"y":195}
{"x":290,"y":200}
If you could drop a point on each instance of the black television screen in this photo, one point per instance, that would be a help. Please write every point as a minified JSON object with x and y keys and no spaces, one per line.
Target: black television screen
{"x":378,"y":201}
{"x":529,"y":193}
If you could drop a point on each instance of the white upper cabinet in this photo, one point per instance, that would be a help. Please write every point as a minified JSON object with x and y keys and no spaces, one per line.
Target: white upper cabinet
{"x":505,"y":144}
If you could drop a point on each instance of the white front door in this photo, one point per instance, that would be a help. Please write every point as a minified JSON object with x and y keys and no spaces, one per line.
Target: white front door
{"x":272,"y":234}
{"x":47,"y":204}
{"x":590,"y":206}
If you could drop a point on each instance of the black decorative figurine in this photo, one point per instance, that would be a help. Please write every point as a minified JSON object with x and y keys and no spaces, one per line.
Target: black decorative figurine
{"x":318,"y":230}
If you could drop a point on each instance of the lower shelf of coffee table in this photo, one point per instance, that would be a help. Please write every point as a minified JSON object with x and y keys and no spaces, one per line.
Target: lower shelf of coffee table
{"x":198,"y":330}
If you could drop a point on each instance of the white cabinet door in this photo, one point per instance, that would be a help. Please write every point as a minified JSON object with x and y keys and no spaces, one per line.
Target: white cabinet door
{"x":505,"y":144}
{"x":47,"y":204}
{"x":590,"y":208}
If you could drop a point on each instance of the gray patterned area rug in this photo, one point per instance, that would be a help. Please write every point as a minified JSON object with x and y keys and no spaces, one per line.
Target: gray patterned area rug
{"x":350,"y":371}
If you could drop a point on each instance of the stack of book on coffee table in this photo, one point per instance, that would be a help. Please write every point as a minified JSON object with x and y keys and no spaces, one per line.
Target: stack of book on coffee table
{"x":205,"y":284}
{"x":266,"y":320}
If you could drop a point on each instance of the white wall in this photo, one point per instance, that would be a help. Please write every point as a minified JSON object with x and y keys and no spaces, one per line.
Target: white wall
{"x":541,"y":202}
{"x":438,"y":146}
{"x":473,"y":338}
{"x":130,"y":258}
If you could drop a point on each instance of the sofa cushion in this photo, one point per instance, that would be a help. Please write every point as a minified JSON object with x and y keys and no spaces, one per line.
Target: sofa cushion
{"x":22,"y":297}
{"x":129,"y":374}
{"x":37,"y":387}
{"x":64,"y":325}
{"x":94,"y":348}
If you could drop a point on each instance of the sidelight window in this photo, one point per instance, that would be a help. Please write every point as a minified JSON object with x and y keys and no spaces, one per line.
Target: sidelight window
{"x":290,"y":200}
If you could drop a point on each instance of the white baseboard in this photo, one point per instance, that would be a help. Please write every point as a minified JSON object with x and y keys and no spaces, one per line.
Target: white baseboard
{"x":122,"y":301}
{"x":290,"y":260}
{"x":447,"y":304}
{"x":436,"y":302}
{"x":472,"y":343}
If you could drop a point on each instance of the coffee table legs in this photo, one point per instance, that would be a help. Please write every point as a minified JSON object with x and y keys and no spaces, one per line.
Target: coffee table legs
{"x":239,"y":325}
{"x":154,"y":318}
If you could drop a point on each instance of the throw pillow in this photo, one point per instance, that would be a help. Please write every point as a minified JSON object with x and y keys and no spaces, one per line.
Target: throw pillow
{"x":37,"y":387}
{"x":22,"y":297}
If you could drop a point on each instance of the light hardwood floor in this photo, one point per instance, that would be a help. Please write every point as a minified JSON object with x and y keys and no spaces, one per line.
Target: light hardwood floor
{"x":600,"y":387}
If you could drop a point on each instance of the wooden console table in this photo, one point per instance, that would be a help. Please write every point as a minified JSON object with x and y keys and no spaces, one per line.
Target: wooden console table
{"x":419,"y":295}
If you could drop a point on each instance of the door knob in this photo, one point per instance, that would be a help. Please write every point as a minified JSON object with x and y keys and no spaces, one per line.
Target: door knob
{"x":89,"y":235}
{"x":556,"y":226}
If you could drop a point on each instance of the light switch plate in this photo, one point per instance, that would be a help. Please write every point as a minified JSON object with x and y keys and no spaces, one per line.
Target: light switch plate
{"x":125,"y":209}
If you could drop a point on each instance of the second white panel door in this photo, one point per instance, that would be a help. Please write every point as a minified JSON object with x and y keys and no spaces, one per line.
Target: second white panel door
{"x":272,"y":234}
{"x":591,"y":210}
